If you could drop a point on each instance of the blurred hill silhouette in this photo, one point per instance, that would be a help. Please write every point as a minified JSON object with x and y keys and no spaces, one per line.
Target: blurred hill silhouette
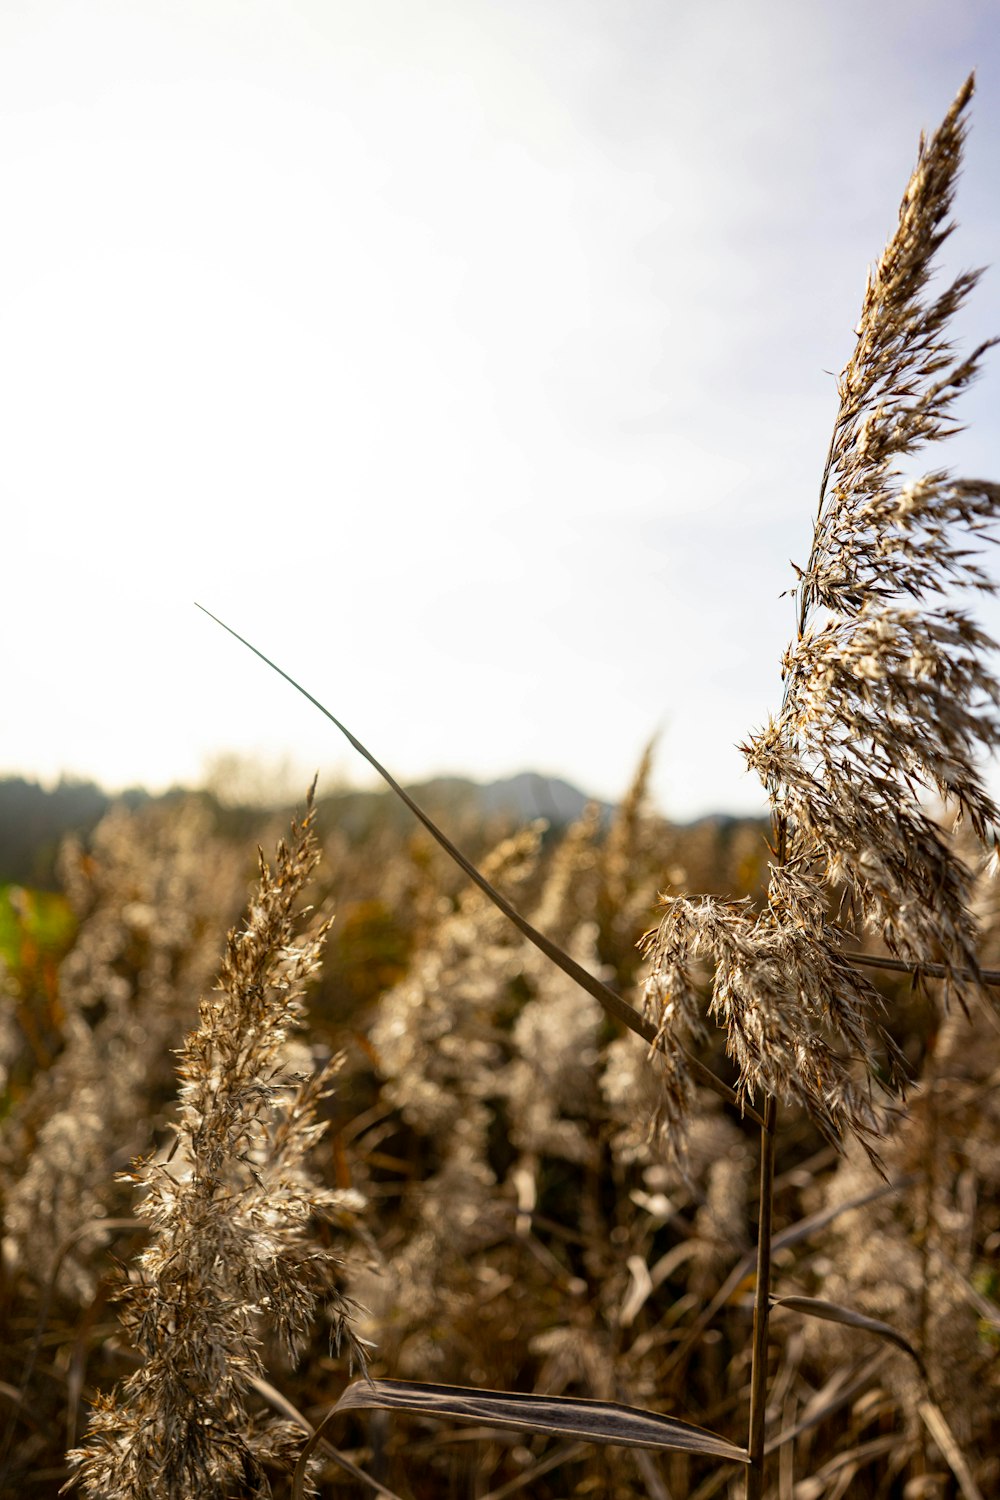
{"x":35,"y":819}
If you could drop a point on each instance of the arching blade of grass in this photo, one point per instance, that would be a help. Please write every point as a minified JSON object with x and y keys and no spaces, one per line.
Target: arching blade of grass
{"x":551,"y":1416}
{"x":557,"y":1416}
{"x":612,"y":1004}
{"x":832,"y":1312}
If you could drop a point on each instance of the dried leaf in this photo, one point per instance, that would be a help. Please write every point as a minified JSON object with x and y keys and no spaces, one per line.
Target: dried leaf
{"x":553,"y":1416}
{"x":833,"y":1312}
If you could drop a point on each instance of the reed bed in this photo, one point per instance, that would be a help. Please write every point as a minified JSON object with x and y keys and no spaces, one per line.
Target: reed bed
{"x":542,"y":1195}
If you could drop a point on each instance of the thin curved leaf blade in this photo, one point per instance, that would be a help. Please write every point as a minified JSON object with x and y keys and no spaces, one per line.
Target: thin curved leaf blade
{"x":553,"y":1416}
{"x":833,"y":1312}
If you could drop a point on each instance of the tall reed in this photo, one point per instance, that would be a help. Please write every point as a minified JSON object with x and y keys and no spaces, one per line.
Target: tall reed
{"x":889,"y":697}
{"x":231,"y":1256}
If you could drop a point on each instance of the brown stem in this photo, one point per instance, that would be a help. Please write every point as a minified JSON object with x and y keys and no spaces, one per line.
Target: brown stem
{"x":925,"y":971}
{"x":762,"y":1303}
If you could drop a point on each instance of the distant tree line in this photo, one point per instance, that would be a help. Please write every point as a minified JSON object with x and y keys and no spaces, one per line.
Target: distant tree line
{"x":34,"y":821}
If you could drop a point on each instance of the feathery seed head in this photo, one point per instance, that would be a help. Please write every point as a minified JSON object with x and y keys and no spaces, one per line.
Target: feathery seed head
{"x":889,"y":697}
{"x":230,"y":1252}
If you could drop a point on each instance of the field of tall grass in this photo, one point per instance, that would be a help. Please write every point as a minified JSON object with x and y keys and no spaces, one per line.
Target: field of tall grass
{"x":617,"y":1160}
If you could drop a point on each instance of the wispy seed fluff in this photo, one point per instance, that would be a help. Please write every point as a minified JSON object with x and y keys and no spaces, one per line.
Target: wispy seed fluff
{"x":889,"y":702}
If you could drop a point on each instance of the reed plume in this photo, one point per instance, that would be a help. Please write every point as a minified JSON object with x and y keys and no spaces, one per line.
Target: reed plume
{"x":889,"y":698}
{"x":149,"y":895}
{"x":231,"y":1256}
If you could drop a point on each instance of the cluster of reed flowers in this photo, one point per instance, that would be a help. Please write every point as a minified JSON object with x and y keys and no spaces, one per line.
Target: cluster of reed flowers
{"x":150,"y":896}
{"x":231,"y":1257}
{"x":889,"y":698}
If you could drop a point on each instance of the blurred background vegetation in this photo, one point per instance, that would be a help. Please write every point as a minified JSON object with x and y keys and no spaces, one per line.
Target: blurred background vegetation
{"x":519,"y":1224}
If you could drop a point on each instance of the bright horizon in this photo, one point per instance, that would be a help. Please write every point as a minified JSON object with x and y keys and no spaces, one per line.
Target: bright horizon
{"x":474,"y":361}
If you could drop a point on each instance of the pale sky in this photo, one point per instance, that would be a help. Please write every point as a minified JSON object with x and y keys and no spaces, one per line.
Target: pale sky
{"x":472,"y":358}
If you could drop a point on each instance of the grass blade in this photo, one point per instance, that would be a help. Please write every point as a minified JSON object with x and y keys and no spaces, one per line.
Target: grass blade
{"x":555,"y":1416}
{"x":833,"y":1312}
{"x":551,"y":1416}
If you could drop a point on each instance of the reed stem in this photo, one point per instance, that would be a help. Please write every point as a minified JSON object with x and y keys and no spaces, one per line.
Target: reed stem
{"x":762,"y":1303}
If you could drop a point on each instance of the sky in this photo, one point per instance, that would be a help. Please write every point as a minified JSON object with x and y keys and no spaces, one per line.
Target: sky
{"x":474,"y":358}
